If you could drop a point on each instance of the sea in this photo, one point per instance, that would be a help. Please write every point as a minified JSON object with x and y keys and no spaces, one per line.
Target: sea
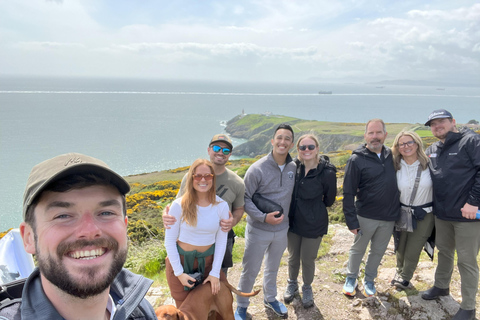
{"x":145,"y":125}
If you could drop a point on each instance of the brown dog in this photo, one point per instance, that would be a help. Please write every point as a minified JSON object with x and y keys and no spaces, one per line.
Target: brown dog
{"x":200,"y":302}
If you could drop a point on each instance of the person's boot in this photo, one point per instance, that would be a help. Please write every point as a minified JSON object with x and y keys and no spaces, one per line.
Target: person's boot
{"x":292,"y":289}
{"x":435,"y":293}
{"x":464,"y":315}
{"x":307,"y":296}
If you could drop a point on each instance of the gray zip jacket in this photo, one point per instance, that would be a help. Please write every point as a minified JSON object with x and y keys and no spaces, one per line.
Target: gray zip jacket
{"x":266,"y":178}
{"x":127,"y":291}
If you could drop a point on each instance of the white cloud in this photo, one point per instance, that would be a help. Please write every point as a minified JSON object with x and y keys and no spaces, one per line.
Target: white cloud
{"x":267,"y":39}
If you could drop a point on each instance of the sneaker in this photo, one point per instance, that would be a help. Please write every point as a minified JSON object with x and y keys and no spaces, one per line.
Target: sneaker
{"x":277,"y":307}
{"x":292,"y":289}
{"x":349,"y":286}
{"x":307,"y":298}
{"x":395,"y":279}
{"x":401,"y":284}
{"x":241,"y":313}
{"x":369,"y":288}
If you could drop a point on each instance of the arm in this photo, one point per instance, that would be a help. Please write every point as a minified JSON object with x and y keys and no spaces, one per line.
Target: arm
{"x":167,"y":219}
{"x":350,"y":186}
{"x":238,"y":206}
{"x":220,"y":247}
{"x":252,"y":181}
{"x":330,"y":188}
{"x":470,"y":208}
{"x":233,"y":219}
{"x":171,"y":236}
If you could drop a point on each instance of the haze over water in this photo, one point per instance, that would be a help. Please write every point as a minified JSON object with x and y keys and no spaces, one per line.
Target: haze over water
{"x":139,"y":126}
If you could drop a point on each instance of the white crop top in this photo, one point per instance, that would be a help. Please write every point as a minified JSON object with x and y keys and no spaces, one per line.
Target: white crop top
{"x":207,"y":232}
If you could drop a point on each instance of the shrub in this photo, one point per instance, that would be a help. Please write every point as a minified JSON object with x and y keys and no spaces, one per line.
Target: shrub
{"x":147,"y":259}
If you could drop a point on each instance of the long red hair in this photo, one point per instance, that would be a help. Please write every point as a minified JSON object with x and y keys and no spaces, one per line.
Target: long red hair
{"x":190,"y":196}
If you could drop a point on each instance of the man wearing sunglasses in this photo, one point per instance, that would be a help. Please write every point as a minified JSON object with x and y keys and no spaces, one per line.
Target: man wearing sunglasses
{"x":455,"y":171}
{"x":229,"y":186}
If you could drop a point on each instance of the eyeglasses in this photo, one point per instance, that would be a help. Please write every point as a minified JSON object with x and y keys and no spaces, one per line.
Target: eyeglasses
{"x":309,"y":147}
{"x":406,"y":144}
{"x":206,"y":176}
{"x":225,"y":151}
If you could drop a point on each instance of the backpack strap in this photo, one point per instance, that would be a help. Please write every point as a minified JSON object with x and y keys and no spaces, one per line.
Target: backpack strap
{"x":11,"y":292}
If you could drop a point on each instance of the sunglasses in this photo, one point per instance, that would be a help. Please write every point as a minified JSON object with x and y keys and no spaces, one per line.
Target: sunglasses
{"x":406,"y":144}
{"x":225,"y":151}
{"x":199,"y":177}
{"x":309,"y":147}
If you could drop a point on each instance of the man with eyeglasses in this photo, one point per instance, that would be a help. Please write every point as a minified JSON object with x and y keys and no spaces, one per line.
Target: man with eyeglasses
{"x":371,"y":205}
{"x":455,"y":171}
{"x":229,"y":186}
{"x":272,"y":177}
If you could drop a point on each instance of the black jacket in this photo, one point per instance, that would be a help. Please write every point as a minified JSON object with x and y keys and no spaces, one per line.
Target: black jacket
{"x":455,"y":171}
{"x":127,"y":291}
{"x":311,"y":196}
{"x":373,"y":181}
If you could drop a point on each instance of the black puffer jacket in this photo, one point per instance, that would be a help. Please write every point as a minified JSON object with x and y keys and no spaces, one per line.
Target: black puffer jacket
{"x":373,"y":181}
{"x":455,"y":171}
{"x":312,"y":194}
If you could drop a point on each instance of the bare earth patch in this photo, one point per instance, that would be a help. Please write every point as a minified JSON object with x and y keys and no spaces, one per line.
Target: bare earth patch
{"x":331,"y":304}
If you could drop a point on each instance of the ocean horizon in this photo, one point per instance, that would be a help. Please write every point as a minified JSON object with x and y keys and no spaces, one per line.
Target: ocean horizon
{"x":138,"y":126}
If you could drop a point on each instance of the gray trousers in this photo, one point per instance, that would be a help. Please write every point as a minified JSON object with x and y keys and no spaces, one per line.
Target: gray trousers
{"x":260,"y":244}
{"x":463,"y":237}
{"x":410,"y":246}
{"x":377,"y":233}
{"x":304,"y":250}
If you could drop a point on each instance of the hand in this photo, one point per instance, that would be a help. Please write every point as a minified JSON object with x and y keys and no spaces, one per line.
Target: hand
{"x":356,"y":231}
{"x":227,"y":224}
{"x":168,"y":220}
{"x":270,"y":218}
{"x":184,"y":280}
{"x":469,"y":211}
{"x":214,"y":282}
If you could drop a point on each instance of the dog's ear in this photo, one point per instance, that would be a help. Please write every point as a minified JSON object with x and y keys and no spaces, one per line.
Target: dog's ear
{"x":181,"y":316}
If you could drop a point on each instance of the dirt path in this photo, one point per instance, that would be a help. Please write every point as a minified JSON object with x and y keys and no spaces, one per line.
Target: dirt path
{"x":331,"y":304}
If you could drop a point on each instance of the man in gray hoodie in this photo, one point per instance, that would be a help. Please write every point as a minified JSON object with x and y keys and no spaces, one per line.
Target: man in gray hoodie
{"x":273,"y":177}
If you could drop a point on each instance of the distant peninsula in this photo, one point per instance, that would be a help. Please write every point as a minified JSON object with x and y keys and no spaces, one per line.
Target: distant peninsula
{"x":258,"y":130}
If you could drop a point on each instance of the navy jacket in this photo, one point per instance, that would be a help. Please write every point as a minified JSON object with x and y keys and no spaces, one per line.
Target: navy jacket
{"x":455,"y":171}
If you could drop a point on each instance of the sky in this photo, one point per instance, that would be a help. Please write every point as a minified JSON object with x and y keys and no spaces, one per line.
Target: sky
{"x":251,"y":40}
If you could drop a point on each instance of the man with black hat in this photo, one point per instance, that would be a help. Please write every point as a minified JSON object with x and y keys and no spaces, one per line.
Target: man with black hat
{"x":229,"y":186}
{"x":75,"y":223}
{"x":455,"y":171}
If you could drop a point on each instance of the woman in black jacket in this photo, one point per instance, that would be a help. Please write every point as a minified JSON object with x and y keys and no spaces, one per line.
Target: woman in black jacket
{"x":315,"y":190}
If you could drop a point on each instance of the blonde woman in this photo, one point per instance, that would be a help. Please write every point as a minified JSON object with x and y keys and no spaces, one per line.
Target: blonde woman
{"x":195,"y":242}
{"x":408,"y":158}
{"x":315,"y":190}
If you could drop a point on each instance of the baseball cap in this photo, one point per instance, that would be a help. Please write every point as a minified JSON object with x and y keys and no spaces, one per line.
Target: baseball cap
{"x":438,"y":114}
{"x":222,"y":138}
{"x":63,"y":165}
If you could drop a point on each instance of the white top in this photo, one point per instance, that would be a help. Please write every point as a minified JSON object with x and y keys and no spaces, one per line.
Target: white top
{"x":207,"y":232}
{"x":406,"y":180}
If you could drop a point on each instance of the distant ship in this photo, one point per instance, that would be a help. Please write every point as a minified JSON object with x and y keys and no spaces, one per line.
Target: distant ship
{"x":380,"y":87}
{"x":441,"y":89}
{"x":324,"y":92}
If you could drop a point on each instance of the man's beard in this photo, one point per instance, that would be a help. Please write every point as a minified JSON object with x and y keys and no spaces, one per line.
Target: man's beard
{"x":56,"y":272}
